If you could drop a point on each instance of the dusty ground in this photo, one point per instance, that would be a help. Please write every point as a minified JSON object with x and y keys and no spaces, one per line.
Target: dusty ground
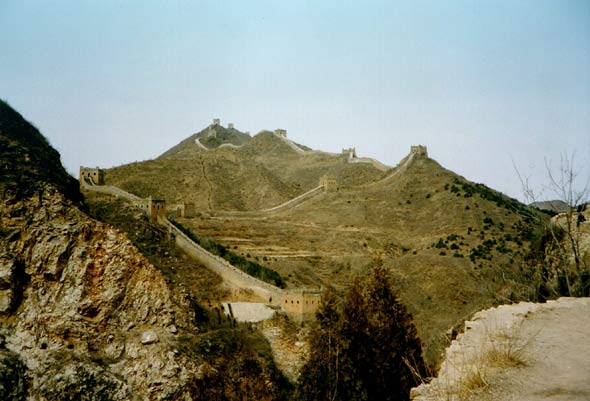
{"x":524,"y":352}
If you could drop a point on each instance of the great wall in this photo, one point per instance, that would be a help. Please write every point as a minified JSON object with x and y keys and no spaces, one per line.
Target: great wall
{"x":350,"y":153}
{"x":299,"y":304}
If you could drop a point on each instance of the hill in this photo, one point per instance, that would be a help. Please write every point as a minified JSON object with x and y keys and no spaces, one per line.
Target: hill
{"x":263,"y":172}
{"x":555,"y":206}
{"x":453,"y":246}
{"x":28,"y":161}
{"x":211,"y":137}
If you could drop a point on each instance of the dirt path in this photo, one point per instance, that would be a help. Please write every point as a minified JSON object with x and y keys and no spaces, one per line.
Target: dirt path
{"x":524,"y":352}
{"x":558,"y":358}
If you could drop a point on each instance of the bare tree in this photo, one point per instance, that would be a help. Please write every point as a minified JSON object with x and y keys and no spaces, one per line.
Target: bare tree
{"x":562,"y":247}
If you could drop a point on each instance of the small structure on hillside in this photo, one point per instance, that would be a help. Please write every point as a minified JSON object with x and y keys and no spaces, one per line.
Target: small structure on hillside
{"x":419,"y":150}
{"x":230,"y":126}
{"x":184,"y":209}
{"x":281,"y":132}
{"x":350,"y":153}
{"x":329,"y":183}
{"x":216,"y":121}
{"x":301,"y":305}
{"x":155,"y":209}
{"x":92,"y":176}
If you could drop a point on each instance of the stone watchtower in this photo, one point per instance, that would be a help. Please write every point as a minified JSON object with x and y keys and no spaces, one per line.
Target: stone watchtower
{"x":419,"y":150}
{"x":216,"y":121}
{"x":91,"y":176}
{"x":281,"y":132}
{"x":153,"y":208}
{"x":350,"y":153}
{"x":329,"y":183}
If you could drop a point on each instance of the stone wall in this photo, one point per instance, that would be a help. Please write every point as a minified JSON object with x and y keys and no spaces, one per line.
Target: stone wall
{"x":300,"y":304}
{"x":279,"y":208}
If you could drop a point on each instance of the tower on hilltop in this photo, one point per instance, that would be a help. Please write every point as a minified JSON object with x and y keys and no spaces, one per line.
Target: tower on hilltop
{"x":419,"y":150}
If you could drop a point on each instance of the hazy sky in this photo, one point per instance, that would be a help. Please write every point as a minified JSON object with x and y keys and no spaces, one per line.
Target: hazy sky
{"x":478,"y":82}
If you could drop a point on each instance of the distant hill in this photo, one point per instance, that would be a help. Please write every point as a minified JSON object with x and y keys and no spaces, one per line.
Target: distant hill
{"x":557,"y":206}
{"x":210,"y":137}
{"x":255,"y":173}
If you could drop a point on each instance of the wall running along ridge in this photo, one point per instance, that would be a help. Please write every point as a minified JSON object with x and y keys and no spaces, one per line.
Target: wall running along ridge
{"x":299,"y":304}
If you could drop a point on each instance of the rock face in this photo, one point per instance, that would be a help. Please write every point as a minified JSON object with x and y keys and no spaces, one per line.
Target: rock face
{"x":76,"y":297}
{"x":79,"y":305}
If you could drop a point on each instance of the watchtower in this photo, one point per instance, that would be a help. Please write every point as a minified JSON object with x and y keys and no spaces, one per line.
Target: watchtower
{"x":153,"y":208}
{"x":419,"y":150}
{"x":216,"y":121}
{"x":329,"y":183}
{"x":350,"y":152}
{"x":230,"y":126}
{"x":91,"y":176}
{"x":281,"y":132}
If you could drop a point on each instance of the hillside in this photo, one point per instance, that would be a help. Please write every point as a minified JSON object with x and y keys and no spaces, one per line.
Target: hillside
{"x":262,"y":173}
{"x":84,"y":315}
{"x":454,"y":247}
{"x":28,"y":161}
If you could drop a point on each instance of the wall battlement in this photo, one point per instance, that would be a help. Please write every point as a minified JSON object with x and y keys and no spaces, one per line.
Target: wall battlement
{"x":183,"y":209}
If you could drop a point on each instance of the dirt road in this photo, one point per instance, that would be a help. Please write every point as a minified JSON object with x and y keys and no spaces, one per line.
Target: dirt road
{"x":524,"y":352}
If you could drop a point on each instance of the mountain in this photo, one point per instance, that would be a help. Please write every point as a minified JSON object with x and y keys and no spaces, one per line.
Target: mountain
{"x":555,"y":206}
{"x":84,"y":315}
{"x":264,"y":171}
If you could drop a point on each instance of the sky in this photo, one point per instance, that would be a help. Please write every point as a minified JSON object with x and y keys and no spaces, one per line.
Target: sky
{"x":485,"y":85}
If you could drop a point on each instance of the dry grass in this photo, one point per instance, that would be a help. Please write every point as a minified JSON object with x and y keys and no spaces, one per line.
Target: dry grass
{"x":474,"y":369}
